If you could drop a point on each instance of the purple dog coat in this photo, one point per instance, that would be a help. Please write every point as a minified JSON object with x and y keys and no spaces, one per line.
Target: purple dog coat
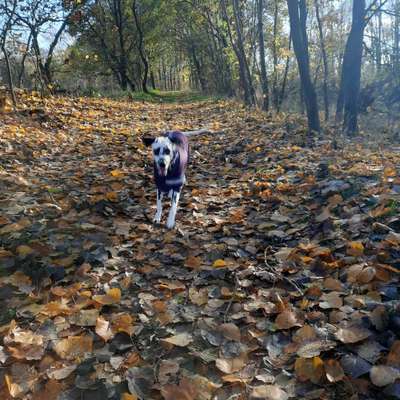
{"x":175,"y":177}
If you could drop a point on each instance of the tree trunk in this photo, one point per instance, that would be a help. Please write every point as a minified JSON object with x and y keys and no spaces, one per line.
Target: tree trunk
{"x":324,"y":59}
{"x":351,"y":71}
{"x":396,"y":50}
{"x":275,"y":57}
{"x":141,"y":48}
{"x":9,"y":75}
{"x":239,"y":52}
{"x":263,"y":72}
{"x":22,"y":69}
{"x":298,"y":18}
{"x":152,"y":80}
{"x":285,"y":75}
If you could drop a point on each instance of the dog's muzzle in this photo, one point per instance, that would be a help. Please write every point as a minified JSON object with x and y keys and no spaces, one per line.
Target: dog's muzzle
{"x":162,"y":168}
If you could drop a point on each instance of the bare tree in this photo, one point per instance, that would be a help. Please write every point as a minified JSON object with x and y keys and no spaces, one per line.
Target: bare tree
{"x":298,"y":20}
{"x":263,"y":72}
{"x":141,"y":46}
{"x":324,"y":59}
{"x":8,"y":9}
{"x":349,"y":91}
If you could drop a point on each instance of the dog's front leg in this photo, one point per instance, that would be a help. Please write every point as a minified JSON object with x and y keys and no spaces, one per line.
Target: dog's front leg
{"x":172,"y":211}
{"x":157,"y":217}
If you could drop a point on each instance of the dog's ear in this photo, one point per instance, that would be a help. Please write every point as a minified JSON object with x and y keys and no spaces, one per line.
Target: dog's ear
{"x":148,"y":141}
{"x":174,"y":137}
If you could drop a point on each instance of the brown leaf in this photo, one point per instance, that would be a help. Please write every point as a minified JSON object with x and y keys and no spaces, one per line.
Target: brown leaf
{"x":112,"y":296}
{"x":198,"y":297}
{"x":230,"y":365}
{"x":193,"y":262}
{"x":287,"y":319}
{"x":352,"y":334}
{"x":230,"y":331}
{"x":186,"y":390}
{"x":103,"y":329}
{"x":21,"y":379}
{"x":334,"y":371}
{"x":383,"y":375}
{"x":85,"y":318}
{"x":315,"y":348}
{"x":123,"y":323}
{"x":393,"y":357}
{"x":73,"y":346}
{"x":51,"y":390}
{"x":309,"y":369}
{"x":268,"y":392}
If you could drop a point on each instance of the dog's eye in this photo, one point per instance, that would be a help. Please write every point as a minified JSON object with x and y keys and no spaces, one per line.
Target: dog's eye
{"x":166,"y":151}
{"x":156,"y":152}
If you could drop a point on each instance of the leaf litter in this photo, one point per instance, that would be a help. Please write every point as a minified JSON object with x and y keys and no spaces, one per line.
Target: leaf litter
{"x":280,"y":281}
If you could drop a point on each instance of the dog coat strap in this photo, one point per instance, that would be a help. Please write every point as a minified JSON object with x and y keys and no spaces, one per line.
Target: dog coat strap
{"x":177,"y":181}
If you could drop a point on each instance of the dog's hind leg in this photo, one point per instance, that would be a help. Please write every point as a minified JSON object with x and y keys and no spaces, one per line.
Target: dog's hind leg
{"x":157,"y":217}
{"x":172,"y":211}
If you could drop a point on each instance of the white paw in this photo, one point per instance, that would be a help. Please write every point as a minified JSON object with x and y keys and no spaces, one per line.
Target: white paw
{"x":157,"y":218}
{"x":170,"y":223}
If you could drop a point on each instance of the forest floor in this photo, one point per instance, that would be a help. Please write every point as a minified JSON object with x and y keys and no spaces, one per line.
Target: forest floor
{"x":280,"y":281}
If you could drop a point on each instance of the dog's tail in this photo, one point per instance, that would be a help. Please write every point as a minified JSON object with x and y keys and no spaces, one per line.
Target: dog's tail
{"x":197,"y":132}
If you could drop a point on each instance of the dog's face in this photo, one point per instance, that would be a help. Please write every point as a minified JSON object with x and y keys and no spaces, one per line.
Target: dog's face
{"x":163,"y":152}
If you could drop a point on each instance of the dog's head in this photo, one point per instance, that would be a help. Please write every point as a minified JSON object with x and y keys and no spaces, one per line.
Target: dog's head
{"x":163,"y":152}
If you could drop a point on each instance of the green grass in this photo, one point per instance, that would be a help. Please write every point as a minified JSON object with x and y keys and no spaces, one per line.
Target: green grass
{"x":156,"y":96}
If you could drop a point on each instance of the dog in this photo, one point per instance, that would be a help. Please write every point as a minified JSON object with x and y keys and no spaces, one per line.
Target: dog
{"x":171,"y":158}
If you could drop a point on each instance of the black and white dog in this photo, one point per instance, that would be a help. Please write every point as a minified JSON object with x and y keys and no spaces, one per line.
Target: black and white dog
{"x":171,"y":157}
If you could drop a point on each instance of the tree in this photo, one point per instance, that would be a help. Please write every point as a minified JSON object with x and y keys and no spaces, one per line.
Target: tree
{"x":8,"y":18}
{"x":238,"y":47}
{"x":263,"y":69}
{"x":324,"y":59}
{"x":37,"y":16}
{"x":141,"y":46}
{"x":298,"y":20}
{"x":349,"y":91}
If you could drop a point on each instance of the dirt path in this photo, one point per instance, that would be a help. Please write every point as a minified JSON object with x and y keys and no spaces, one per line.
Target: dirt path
{"x":279,"y":281}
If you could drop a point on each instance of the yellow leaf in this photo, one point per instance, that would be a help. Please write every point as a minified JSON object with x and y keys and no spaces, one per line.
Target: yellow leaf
{"x":128,"y":396}
{"x":117,"y":173}
{"x":112,"y":296}
{"x":24,"y":250}
{"x":355,"y":249}
{"x":219,"y":263}
{"x":112,"y":196}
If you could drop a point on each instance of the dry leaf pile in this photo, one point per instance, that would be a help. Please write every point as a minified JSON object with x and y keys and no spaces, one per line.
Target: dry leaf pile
{"x":280,"y":281}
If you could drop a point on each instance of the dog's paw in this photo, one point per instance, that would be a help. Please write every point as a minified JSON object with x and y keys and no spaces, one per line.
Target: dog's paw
{"x":157,"y":218}
{"x":170,"y":224}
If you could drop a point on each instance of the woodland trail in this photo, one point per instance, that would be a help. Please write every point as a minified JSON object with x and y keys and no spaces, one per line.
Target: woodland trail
{"x":280,"y":281}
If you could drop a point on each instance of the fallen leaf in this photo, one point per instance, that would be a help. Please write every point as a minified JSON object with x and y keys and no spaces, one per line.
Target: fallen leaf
{"x":287,"y":319}
{"x":352,"y":334}
{"x":73,"y":347}
{"x":383,"y":375}
{"x":112,"y":296}
{"x":180,"y":340}
{"x":268,"y":392}
{"x":334,"y":371}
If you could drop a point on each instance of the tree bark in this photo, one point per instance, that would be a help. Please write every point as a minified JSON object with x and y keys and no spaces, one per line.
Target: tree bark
{"x":275,"y":57}
{"x":263,"y":72}
{"x":9,"y":76}
{"x":141,"y":48}
{"x":298,"y":17}
{"x":239,"y":52}
{"x":324,"y":59}
{"x":351,"y":71}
